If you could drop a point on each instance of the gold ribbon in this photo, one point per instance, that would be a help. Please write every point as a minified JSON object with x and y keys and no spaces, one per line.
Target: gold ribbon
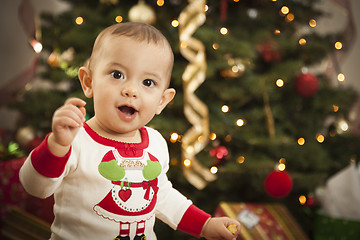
{"x":196,"y":112}
{"x":268,"y":115}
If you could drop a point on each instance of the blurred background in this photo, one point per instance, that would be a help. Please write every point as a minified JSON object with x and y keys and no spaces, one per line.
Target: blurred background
{"x":278,"y":118}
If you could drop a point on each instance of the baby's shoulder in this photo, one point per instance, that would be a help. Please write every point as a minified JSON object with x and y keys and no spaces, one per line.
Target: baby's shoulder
{"x":153,"y":132}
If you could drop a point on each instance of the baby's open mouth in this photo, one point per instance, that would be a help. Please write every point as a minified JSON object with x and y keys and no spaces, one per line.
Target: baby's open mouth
{"x":127,"y":110}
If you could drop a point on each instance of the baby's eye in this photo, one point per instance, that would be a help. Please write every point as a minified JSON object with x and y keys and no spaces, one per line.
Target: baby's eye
{"x":117,"y":74}
{"x":149,"y":83}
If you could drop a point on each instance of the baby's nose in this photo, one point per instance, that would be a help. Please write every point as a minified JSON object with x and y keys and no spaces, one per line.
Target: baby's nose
{"x":129,"y":91}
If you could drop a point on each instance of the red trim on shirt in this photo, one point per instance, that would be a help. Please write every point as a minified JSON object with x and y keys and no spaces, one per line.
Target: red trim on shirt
{"x":125,"y":149}
{"x":46,"y":163}
{"x":108,"y":204}
{"x":193,"y":221}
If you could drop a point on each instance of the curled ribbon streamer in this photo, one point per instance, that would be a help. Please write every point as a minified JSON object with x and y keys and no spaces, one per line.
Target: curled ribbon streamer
{"x":196,"y":138}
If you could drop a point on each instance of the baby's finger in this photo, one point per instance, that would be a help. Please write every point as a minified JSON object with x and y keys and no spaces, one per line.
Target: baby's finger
{"x":68,"y":111}
{"x":76,"y":113}
{"x":79,"y":103}
{"x":76,"y":102}
{"x":68,"y":123}
{"x":83,"y":112}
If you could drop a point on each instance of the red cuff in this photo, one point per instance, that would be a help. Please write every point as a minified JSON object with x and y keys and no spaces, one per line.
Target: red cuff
{"x":193,"y":221}
{"x":46,"y":163}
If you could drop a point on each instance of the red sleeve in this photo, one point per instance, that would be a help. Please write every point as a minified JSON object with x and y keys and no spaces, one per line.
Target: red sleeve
{"x":46,"y":163}
{"x":193,"y":221}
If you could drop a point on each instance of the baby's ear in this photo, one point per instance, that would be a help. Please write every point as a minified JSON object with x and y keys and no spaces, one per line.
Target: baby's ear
{"x":167,"y":96}
{"x":86,"y":81}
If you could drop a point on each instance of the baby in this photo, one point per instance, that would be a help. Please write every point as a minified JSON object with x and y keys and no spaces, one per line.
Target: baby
{"x":108,"y":174}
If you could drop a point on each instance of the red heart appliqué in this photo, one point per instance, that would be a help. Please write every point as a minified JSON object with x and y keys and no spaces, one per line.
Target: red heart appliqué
{"x":125,"y":194}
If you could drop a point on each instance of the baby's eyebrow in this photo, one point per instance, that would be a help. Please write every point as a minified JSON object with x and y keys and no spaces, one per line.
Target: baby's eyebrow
{"x":153,"y":75}
{"x":115,"y":64}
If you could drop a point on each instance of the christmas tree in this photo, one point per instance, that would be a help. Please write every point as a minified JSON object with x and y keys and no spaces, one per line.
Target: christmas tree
{"x":267,"y":105}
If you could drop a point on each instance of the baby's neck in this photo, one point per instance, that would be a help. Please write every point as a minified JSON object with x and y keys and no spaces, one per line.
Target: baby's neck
{"x":131,"y":137}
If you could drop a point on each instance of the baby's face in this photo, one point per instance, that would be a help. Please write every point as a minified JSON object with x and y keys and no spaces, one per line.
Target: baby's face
{"x":130,"y":83}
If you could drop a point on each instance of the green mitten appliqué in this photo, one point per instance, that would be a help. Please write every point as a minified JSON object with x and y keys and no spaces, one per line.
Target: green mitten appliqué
{"x":152,"y":170}
{"x":110,"y":170}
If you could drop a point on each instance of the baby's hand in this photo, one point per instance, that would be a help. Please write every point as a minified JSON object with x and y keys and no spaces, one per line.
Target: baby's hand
{"x":217,"y":228}
{"x":65,"y":124}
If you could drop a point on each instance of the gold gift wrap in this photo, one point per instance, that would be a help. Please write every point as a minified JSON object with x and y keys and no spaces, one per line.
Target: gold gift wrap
{"x":267,"y":221}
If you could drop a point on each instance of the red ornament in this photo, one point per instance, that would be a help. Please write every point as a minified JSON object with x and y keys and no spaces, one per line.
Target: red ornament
{"x":269,"y":51}
{"x":278,"y":184}
{"x":306,"y":84}
{"x":311,"y":200}
{"x":219,"y":152}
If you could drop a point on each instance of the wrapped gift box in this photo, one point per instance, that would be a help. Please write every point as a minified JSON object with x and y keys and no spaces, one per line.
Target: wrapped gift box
{"x":11,"y":191}
{"x":262,"y":221}
{"x":20,"y":224}
{"x":13,"y":194}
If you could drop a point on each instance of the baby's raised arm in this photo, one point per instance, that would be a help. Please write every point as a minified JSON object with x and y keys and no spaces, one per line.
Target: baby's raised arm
{"x":65,"y":124}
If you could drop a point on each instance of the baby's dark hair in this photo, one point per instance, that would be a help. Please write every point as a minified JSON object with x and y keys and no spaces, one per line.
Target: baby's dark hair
{"x":138,"y":31}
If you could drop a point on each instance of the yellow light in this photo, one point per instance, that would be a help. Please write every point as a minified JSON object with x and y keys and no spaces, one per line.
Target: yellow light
{"x":190,"y":149}
{"x":302,"y":199}
{"x":290,"y":17}
{"x":79,"y":20}
{"x":302,"y":41}
{"x":343,"y":125}
{"x":174,"y":137}
{"x":228,"y":138}
{"x":338,"y":45}
{"x":341,"y":77}
{"x":285,"y":10}
{"x":231,"y":61}
{"x":28,"y":86}
{"x":279,"y":82}
{"x":173,"y":161}
{"x":215,"y":46}
{"x":224,"y":31}
{"x":214,"y":170}
{"x":236,"y":0}
{"x":312,"y":23}
{"x":36,"y":45}
{"x":281,"y":166}
{"x":320,"y":138}
{"x":301,"y":141}
{"x":183,"y":44}
{"x":187,"y":163}
{"x":240,"y":122}
{"x":240,"y":159}
{"x":206,"y":8}
{"x":225,"y":108}
{"x":235,"y":69}
{"x":175,"y":23}
{"x":160,"y":3}
{"x":277,"y":31}
{"x":212,"y":136}
{"x":118,"y":19}
{"x":282,"y":160}
{"x":335,"y":108}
